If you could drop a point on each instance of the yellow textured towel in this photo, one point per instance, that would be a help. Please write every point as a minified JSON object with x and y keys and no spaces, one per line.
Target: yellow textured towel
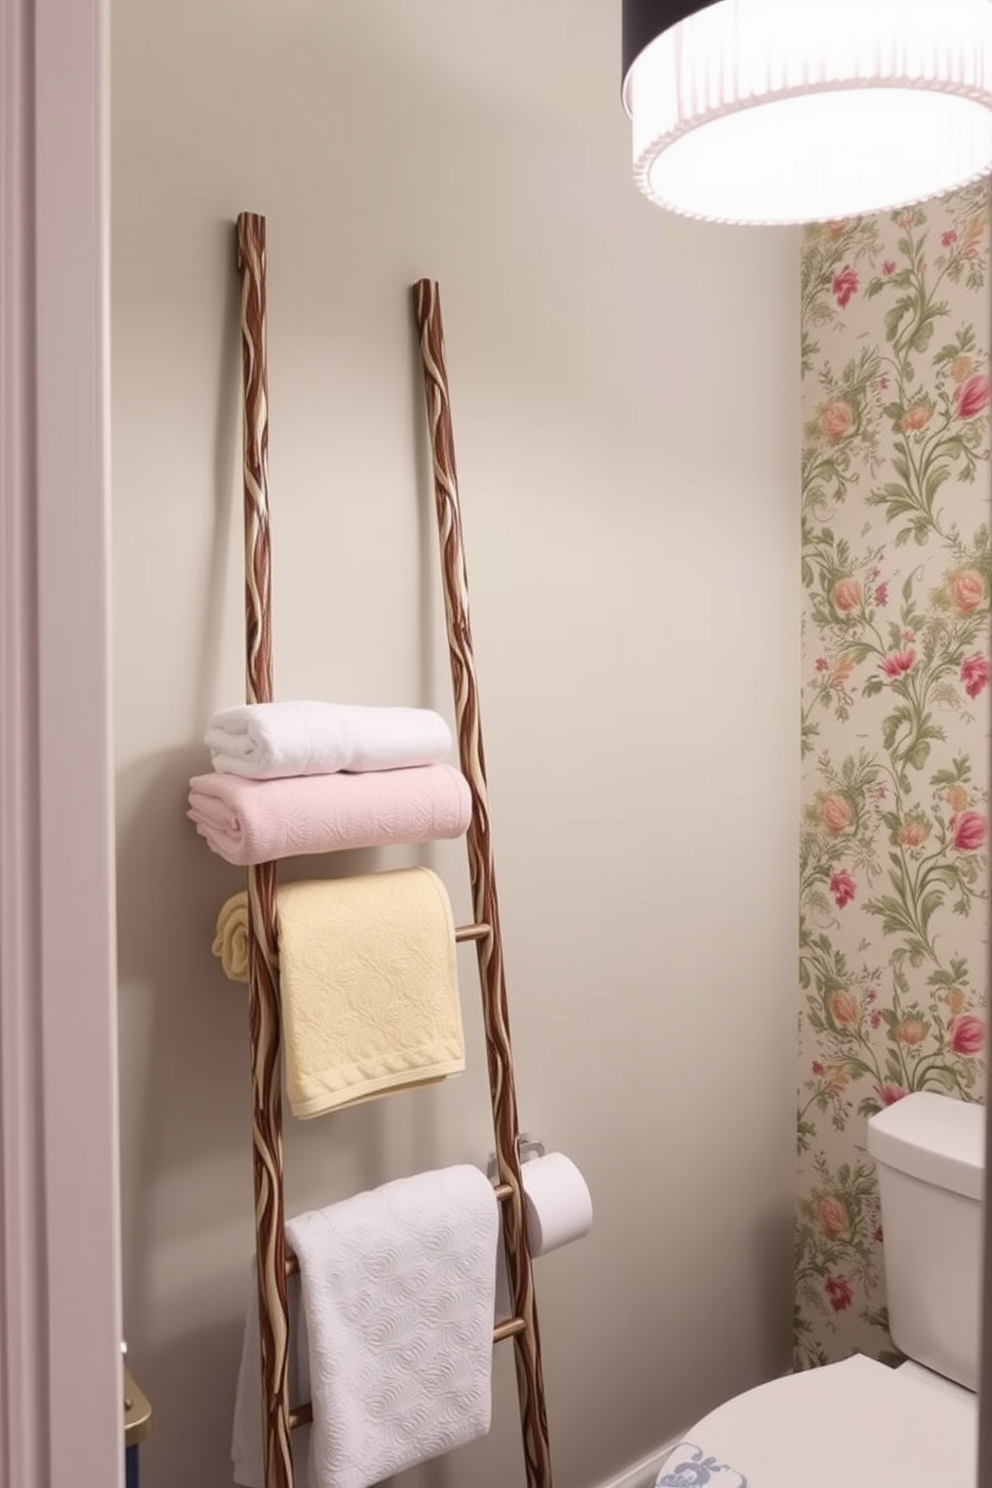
{"x":369,"y":984}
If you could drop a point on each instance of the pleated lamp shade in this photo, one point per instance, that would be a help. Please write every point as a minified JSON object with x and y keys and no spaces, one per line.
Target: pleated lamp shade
{"x":775,"y":111}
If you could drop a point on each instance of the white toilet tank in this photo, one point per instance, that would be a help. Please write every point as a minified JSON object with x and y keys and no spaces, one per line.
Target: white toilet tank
{"x":930,"y":1155}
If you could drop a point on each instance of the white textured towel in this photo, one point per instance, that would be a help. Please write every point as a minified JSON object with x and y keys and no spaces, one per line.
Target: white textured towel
{"x":265,"y":741}
{"x":398,"y":1287}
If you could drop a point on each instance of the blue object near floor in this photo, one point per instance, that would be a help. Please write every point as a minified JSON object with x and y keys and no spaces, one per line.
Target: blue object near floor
{"x":137,"y":1425}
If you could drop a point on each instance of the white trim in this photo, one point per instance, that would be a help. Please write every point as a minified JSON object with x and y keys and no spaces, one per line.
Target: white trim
{"x":642,"y":1474}
{"x":23,"y":1410}
{"x":60,"y":1326}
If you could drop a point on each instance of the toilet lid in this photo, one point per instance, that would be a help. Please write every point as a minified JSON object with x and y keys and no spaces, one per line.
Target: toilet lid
{"x":852,"y":1425}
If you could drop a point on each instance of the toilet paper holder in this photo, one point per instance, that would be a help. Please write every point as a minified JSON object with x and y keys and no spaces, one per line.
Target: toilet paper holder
{"x":528,"y":1147}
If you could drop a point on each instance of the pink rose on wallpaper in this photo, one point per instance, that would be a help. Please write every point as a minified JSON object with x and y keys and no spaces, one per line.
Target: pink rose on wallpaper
{"x":898,"y":662}
{"x":916,"y":418}
{"x":838,"y":1078}
{"x":888,"y":267}
{"x":845,"y":285}
{"x":875,"y":1019}
{"x":843,"y":888}
{"x":882,"y":595}
{"x":957,"y":798}
{"x":845,"y":596}
{"x":967,"y":590}
{"x":842,"y":668}
{"x":974,"y":674}
{"x":972,"y":396}
{"x":969,"y":831}
{"x":913,"y":832}
{"x":973,"y":235}
{"x":949,"y":237}
{"x":834,"y":1218}
{"x":843,"y":1007}
{"x":888,"y":1093}
{"x":839,"y":1292}
{"x":836,"y":419}
{"x":836,"y":814}
{"x":911,"y":1031}
{"x":966,"y":1034}
{"x":960,"y":368}
{"x":817,"y":1067}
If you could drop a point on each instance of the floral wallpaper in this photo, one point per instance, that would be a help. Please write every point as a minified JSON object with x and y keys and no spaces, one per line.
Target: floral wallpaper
{"x":897,"y":574}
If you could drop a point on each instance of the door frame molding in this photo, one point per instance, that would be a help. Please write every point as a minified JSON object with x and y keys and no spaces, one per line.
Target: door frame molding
{"x":61,"y":1418}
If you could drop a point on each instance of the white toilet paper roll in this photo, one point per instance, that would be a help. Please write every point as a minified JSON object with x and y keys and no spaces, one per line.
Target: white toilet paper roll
{"x":557,"y":1202}
{"x":557,"y":1209}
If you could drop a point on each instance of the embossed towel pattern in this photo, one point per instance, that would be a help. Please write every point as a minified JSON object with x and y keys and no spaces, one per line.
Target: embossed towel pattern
{"x":369,"y":986}
{"x":253,"y":821}
{"x":398,"y":1288}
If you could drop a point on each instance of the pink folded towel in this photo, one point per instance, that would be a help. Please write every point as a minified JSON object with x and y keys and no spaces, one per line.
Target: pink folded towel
{"x":252,"y":821}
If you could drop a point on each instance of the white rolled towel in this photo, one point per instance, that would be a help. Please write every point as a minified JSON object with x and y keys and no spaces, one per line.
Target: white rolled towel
{"x":266,"y":741}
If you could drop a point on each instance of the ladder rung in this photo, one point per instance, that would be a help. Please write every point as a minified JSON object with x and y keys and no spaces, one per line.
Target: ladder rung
{"x":303,"y":1415}
{"x":473,"y":932}
{"x":508,"y":1329}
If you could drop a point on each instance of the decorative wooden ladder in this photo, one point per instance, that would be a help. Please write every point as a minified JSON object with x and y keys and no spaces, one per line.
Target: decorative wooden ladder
{"x":273,"y":1264}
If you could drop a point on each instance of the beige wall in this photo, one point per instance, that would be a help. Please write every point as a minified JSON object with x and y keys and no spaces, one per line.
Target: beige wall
{"x":625,"y":392}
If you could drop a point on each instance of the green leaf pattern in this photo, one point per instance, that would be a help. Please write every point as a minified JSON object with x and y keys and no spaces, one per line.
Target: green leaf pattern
{"x":897,"y":574}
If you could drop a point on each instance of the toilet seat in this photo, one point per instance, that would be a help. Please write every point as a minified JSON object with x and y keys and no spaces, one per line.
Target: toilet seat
{"x":857,"y":1424}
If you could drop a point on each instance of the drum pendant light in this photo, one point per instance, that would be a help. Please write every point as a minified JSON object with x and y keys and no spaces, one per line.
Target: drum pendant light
{"x":774,"y":111}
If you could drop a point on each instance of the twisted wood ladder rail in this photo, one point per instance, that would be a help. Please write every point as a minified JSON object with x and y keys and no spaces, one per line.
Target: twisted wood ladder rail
{"x":263,"y":976}
{"x":482,"y":871}
{"x":263,"y":984}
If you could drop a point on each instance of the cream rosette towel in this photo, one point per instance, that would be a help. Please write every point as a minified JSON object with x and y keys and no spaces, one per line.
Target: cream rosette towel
{"x":230,"y":944}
